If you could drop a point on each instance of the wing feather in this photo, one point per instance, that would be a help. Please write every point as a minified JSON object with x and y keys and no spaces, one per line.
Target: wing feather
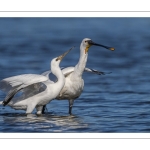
{"x":68,"y":70}
{"x":24,"y":80}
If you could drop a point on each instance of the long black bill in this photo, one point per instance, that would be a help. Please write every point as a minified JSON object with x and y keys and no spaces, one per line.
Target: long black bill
{"x":107,"y":47}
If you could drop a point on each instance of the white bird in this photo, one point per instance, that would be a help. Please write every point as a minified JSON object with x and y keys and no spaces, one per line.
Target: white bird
{"x":37,"y":90}
{"x":74,"y":82}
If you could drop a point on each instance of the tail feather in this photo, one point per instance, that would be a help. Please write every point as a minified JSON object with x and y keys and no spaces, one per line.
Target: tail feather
{"x":10,"y":95}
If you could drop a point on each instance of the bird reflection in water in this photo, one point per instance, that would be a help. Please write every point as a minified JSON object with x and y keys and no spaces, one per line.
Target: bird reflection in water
{"x":45,"y":123}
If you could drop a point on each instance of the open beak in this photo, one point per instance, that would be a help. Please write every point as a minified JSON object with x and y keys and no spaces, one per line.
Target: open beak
{"x":64,"y":54}
{"x":92,"y":43}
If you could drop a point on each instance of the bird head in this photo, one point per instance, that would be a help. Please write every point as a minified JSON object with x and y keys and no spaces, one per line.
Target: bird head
{"x":87,"y":43}
{"x":58,"y":59}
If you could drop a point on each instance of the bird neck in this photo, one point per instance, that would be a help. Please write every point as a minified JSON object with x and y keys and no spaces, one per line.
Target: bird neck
{"x":79,"y":68}
{"x":58,"y":73}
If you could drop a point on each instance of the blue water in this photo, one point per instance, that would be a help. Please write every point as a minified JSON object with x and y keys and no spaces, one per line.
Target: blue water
{"x":116,"y":102}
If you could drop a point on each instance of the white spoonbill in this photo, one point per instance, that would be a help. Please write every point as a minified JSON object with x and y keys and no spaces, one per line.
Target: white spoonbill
{"x":74,"y":82}
{"x":37,"y":90}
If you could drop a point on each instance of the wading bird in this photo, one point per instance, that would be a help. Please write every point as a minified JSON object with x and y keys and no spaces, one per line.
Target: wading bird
{"x":37,"y":90}
{"x":74,"y":82}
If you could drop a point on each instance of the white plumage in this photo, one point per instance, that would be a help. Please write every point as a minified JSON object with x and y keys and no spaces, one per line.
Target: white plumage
{"x":74,"y":82}
{"x":37,"y":90}
{"x":73,"y":85}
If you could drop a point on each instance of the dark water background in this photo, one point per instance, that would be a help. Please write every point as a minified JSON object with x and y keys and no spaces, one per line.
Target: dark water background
{"x":116,"y":102}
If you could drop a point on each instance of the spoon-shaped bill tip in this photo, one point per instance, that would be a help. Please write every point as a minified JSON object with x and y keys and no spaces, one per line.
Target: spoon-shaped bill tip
{"x":112,"y":48}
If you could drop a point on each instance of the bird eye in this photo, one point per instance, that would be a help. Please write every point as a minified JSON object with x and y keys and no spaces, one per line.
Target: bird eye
{"x":56,"y":59}
{"x":85,"y":41}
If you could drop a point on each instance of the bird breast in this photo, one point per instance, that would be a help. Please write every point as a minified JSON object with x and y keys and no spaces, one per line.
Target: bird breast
{"x":72,"y":88}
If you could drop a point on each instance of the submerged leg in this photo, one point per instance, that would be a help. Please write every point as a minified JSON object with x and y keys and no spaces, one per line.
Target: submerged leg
{"x":30,"y":108}
{"x":39,"y":110}
{"x":70,"y":106}
{"x":43,"y":109}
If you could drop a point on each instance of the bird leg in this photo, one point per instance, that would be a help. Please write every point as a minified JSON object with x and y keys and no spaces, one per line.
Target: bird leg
{"x":30,"y":108}
{"x":43,"y":109}
{"x":39,"y":110}
{"x":70,"y":106}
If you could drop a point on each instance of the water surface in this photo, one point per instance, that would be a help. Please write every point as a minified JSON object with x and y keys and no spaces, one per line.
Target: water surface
{"x":116,"y":102}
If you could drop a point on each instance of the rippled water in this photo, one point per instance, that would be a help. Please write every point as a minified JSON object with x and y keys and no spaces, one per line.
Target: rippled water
{"x":116,"y":102}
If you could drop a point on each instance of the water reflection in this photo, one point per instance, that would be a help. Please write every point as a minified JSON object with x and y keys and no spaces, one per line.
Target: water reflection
{"x":116,"y":102}
{"x":44,"y":123}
